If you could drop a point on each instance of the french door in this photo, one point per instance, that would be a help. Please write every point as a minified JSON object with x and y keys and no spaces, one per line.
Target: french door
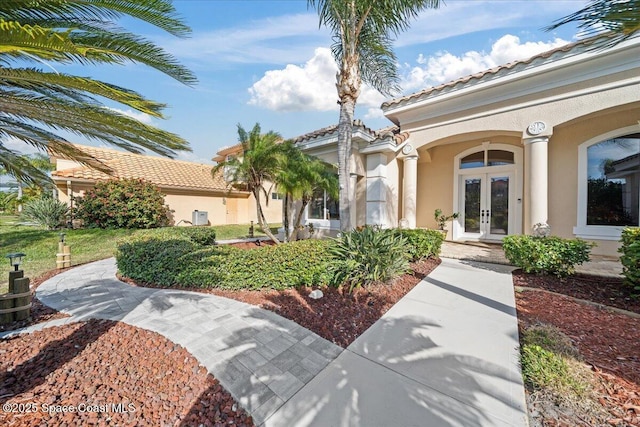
{"x":487,"y":202}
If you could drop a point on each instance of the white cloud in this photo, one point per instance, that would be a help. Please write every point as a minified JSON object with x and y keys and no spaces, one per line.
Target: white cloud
{"x":310,"y":87}
{"x":138,"y":115}
{"x":444,"y":66}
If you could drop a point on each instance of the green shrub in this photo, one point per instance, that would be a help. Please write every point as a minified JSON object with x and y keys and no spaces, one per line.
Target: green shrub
{"x":201,"y":235}
{"x":125,"y":203}
{"x":168,"y":257}
{"x":422,"y":243}
{"x":630,"y":257}
{"x":155,"y":260}
{"x":546,"y":255}
{"x":300,"y":263}
{"x":368,"y":255}
{"x":46,"y":212}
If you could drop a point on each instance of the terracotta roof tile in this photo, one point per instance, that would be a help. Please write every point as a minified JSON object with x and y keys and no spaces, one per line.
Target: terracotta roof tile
{"x":387,"y":132}
{"x":477,"y":77}
{"x":161,"y":171}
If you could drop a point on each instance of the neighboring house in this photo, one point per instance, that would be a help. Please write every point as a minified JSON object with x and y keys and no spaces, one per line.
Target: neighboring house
{"x":533,"y":141}
{"x":187,"y":186}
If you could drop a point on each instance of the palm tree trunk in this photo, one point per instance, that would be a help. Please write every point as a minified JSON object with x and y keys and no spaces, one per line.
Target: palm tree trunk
{"x":298,"y":219}
{"x":261,"y":220}
{"x":285,"y":217}
{"x":345,"y":130}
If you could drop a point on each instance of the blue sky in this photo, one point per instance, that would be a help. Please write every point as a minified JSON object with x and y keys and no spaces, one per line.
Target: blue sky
{"x":269,"y":62}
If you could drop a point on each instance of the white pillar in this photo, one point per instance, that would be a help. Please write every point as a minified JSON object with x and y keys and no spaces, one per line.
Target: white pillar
{"x":377,"y":189}
{"x":353,"y":199}
{"x":410,"y":190}
{"x":536,"y":195}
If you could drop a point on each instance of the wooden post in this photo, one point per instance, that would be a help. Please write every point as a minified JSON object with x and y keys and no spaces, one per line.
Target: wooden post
{"x":6,"y":303}
{"x":13,"y":275}
{"x":21,"y":286}
{"x":67,"y":256}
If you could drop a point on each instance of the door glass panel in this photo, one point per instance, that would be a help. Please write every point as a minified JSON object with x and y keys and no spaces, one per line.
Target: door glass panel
{"x":499,"y":212}
{"x":499,"y":158}
{"x":472,"y":205}
{"x":475,"y":160}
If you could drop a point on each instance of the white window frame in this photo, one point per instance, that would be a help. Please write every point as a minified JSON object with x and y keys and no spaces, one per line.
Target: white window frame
{"x":330,"y":224}
{"x":582,"y":230}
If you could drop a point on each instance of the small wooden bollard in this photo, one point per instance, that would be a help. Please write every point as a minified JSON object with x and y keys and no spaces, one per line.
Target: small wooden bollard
{"x":63,"y":257}
{"x":16,"y":305}
{"x":22,"y":298}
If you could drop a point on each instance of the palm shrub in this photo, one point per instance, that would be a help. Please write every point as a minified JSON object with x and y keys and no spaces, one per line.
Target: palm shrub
{"x":46,"y":212}
{"x":125,"y":203}
{"x":546,"y":255}
{"x":630,"y":257}
{"x":368,"y":255}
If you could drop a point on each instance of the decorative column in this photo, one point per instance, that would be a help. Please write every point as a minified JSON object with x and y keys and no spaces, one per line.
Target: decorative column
{"x":376,"y":189}
{"x":410,"y":190}
{"x":536,"y":193}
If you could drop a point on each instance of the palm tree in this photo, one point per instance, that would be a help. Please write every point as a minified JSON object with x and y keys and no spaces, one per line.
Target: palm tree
{"x":363,"y":32}
{"x":261,"y":159}
{"x":298,"y":178}
{"x":35,"y":103}
{"x":619,"y":18}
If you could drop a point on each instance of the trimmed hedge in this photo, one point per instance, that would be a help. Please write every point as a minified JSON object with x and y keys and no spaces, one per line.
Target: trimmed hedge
{"x":169,"y":257}
{"x":422,"y":243}
{"x":546,"y":255}
{"x":630,"y":257}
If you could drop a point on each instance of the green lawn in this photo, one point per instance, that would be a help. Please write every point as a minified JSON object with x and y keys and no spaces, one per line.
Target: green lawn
{"x":87,"y":245}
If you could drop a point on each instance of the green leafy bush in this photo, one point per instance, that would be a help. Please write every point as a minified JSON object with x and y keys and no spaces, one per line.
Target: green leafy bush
{"x":630,"y":257}
{"x":422,"y":243}
{"x":543,"y":368}
{"x":155,"y":260}
{"x":300,"y":263}
{"x":125,"y":203}
{"x":201,"y":235}
{"x":368,"y":255}
{"x":168,"y":257}
{"x":46,"y":212}
{"x":546,"y":255}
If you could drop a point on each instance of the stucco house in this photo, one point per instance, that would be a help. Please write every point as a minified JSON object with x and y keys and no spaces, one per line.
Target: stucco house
{"x":187,"y":186}
{"x":554,"y":139}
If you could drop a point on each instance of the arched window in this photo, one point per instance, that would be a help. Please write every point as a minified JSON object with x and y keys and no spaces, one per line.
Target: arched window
{"x":487,"y":158}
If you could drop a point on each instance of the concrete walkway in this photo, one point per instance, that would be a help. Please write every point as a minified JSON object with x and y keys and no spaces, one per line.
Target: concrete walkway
{"x":445,"y":355}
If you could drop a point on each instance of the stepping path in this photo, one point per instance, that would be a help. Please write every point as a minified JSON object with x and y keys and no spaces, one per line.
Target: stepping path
{"x":261,"y":358}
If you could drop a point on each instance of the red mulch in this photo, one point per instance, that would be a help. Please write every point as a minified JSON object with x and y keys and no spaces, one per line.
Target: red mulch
{"x":608,"y":341}
{"x":111,"y":374}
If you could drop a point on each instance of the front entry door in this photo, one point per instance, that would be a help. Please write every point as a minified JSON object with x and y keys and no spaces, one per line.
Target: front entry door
{"x":486,"y":200}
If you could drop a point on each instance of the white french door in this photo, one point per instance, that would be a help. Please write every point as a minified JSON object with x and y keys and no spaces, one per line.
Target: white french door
{"x":487,"y":205}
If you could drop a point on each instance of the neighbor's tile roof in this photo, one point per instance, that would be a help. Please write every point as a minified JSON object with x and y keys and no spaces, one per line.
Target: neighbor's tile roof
{"x":483,"y":75}
{"x":161,"y":171}
{"x":392,"y":132}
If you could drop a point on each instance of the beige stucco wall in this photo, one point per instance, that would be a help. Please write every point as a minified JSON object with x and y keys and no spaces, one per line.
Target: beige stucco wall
{"x":222,"y":208}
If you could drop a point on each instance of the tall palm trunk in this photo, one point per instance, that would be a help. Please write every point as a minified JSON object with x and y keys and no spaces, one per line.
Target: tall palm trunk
{"x":348,"y":84}
{"x":262,"y":222}
{"x":298,"y":219}
{"x":286,"y":205}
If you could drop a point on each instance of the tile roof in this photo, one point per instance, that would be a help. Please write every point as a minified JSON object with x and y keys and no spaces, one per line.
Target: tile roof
{"x":378,"y":135}
{"x":161,"y":171}
{"x":483,"y":75}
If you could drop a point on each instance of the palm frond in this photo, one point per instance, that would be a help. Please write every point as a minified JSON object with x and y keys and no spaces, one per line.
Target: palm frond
{"x":615,"y":20}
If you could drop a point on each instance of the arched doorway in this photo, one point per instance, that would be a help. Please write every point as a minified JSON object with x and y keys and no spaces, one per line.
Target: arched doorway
{"x":488,"y":192}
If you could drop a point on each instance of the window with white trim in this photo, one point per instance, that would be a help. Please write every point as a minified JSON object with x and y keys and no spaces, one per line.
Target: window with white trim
{"x":323,"y":207}
{"x":613,"y":182}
